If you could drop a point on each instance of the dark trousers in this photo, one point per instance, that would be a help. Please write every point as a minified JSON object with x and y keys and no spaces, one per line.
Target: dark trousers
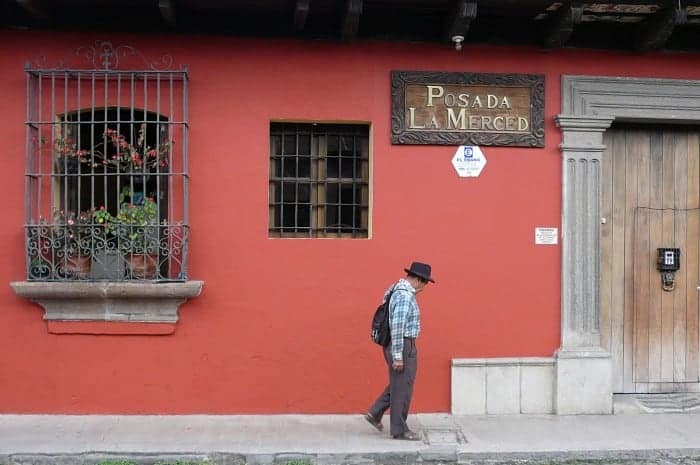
{"x":397,"y":395}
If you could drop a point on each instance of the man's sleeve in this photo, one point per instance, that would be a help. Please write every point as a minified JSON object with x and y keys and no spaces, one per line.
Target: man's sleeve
{"x":399,"y":306}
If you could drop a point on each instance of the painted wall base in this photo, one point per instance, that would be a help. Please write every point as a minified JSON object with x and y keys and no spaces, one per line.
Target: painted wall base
{"x":570,"y":383}
{"x":583,"y":382}
{"x":502,"y":386}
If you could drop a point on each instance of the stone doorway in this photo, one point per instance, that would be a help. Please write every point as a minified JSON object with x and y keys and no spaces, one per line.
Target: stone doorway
{"x":590,"y":104}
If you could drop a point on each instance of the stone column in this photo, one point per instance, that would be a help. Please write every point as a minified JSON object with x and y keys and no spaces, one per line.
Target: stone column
{"x":583,"y":373}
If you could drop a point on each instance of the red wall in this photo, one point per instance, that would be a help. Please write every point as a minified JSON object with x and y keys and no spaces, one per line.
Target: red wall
{"x":282,"y":324}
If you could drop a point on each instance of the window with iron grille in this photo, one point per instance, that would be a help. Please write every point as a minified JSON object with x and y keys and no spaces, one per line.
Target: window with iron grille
{"x":319,"y":180}
{"x":106,"y":173}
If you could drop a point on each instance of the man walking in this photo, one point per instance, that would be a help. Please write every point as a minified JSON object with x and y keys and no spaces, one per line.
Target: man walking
{"x":401,"y":354}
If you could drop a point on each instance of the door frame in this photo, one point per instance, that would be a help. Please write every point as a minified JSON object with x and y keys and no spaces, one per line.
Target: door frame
{"x":589,"y":105}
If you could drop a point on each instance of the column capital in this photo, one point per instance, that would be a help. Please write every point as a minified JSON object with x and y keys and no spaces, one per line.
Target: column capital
{"x":582,"y":135}
{"x":583,"y":122}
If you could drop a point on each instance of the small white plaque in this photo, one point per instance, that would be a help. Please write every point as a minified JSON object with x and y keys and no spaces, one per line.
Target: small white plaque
{"x":468,"y":161}
{"x":546,"y":236}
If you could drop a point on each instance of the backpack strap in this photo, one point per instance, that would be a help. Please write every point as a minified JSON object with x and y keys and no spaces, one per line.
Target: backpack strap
{"x":391,"y":293}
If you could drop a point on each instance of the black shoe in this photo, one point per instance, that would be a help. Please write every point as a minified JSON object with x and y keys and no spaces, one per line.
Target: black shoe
{"x":407,"y":436}
{"x":374,"y":422}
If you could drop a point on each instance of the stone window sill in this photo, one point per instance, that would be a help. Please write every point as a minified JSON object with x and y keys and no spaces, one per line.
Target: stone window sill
{"x":109,"y":307}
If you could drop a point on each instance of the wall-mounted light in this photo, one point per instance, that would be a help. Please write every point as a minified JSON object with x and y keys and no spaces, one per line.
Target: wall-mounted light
{"x":457,"y":40}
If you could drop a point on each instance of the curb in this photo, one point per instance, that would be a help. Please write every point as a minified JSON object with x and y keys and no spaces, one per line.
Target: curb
{"x":435,"y":456}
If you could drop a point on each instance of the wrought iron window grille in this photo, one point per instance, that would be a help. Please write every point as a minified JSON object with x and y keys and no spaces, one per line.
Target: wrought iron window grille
{"x":106,"y":176}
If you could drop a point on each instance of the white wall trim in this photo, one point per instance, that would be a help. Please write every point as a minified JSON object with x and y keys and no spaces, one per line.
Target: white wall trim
{"x":515,"y":385}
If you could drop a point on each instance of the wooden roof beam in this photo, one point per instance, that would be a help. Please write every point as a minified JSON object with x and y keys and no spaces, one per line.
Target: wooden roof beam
{"x":351,"y":19}
{"x":459,"y":20}
{"x":38,"y":9}
{"x":560,"y":26}
{"x":167,"y":11}
{"x":301,"y":12}
{"x":654,"y":32}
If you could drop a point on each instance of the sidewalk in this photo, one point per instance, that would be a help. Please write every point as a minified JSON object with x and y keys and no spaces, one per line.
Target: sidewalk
{"x":347,"y":439}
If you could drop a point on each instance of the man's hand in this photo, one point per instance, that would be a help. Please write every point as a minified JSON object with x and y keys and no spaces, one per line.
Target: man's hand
{"x":397,"y":365}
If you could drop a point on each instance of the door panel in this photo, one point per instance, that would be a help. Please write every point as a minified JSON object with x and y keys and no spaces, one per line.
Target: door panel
{"x":650,"y":198}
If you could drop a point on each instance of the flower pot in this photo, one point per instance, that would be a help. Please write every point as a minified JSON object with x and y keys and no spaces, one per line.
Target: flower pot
{"x":142,"y":266}
{"x":78,"y":266}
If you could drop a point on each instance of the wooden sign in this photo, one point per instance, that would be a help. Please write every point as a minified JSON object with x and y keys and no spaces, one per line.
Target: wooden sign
{"x":467,"y":108}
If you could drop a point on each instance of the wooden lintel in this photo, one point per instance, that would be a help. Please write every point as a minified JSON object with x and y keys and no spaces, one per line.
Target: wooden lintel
{"x":559,"y":27}
{"x":460,"y":19}
{"x":301,"y":12}
{"x":167,"y":11}
{"x":37,"y":8}
{"x":351,"y":19}
{"x":655,"y":31}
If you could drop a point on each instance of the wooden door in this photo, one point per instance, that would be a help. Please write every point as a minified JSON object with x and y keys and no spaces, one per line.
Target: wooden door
{"x":650,"y":199}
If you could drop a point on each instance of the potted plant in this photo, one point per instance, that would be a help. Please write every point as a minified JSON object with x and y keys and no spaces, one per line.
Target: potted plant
{"x":68,"y":156}
{"x":136,"y":157}
{"x":136,"y":231}
{"x":113,"y":150}
{"x":72,"y":243}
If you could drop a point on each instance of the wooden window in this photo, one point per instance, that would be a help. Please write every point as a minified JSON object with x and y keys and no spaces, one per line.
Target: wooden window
{"x":319,"y":180}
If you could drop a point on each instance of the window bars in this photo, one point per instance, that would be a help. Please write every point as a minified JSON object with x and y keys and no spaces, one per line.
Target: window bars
{"x":319,"y":180}
{"x":106,"y":178}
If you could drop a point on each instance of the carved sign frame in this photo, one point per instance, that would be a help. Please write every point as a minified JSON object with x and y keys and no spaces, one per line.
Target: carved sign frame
{"x":401,"y":134}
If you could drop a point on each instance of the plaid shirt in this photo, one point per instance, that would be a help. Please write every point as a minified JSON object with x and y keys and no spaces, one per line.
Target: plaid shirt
{"x":404,"y":316}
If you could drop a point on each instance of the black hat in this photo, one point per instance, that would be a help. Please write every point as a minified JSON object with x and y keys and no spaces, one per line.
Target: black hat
{"x":422,"y":270}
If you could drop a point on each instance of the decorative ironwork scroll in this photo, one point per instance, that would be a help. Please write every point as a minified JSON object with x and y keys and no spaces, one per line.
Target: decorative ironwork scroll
{"x":444,"y":108}
{"x":103,"y":55}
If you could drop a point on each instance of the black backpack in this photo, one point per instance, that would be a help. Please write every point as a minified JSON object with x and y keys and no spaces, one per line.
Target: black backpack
{"x":381,"y":330}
